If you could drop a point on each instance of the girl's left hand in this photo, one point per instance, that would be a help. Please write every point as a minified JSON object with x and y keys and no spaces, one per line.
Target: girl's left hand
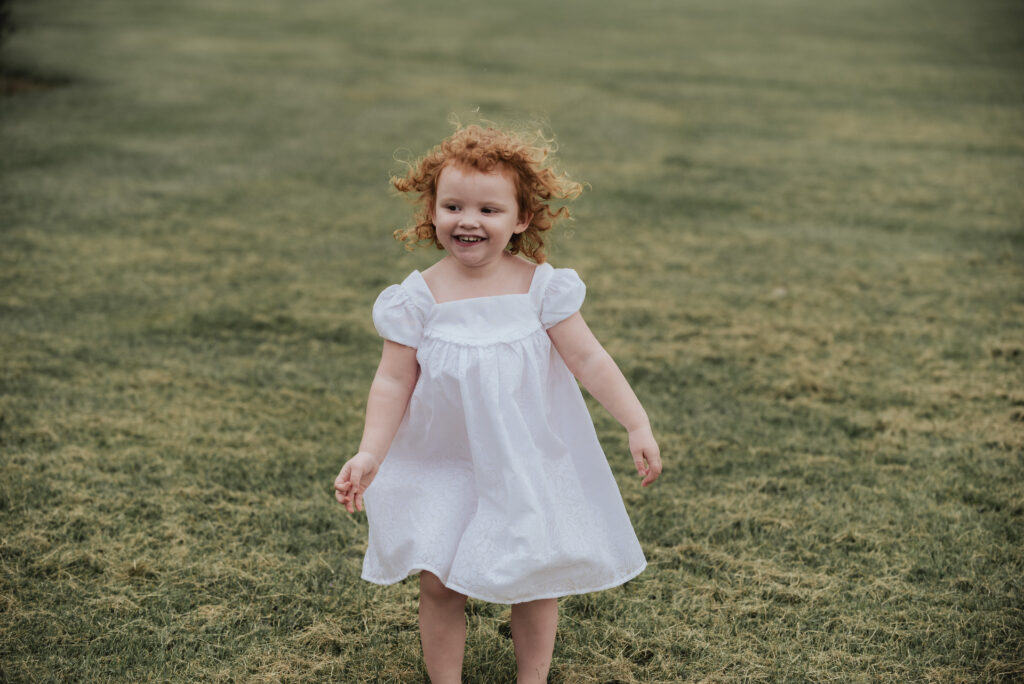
{"x":646,"y":454}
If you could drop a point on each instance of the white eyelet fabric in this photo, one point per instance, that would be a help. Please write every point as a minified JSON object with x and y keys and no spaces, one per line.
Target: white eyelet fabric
{"x":496,"y":481}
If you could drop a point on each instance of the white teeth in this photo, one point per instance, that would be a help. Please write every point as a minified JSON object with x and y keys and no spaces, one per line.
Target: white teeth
{"x":468,"y":238}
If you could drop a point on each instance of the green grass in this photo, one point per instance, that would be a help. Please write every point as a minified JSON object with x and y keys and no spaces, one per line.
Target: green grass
{"x":802,"y":239}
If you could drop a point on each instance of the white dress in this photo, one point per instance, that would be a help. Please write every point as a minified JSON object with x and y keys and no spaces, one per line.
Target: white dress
{"x":496,"y":482}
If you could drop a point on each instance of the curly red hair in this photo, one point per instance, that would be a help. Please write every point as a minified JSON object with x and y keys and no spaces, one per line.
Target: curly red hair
{"x":490,"y":150}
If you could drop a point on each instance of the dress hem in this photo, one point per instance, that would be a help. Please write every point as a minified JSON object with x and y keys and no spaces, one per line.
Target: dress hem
{"x":480,"y":597}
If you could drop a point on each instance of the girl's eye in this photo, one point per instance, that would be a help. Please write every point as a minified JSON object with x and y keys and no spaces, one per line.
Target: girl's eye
{"x":488,"y":210}
{"x":451,"y":207}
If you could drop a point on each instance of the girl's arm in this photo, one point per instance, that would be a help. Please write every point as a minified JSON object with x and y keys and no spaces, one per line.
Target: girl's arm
{"x":389,"y":395}
{"x":596,"y":370}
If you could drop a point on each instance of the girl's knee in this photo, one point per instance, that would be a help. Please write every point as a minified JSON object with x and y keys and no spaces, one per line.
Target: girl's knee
{"x":432,"y":588}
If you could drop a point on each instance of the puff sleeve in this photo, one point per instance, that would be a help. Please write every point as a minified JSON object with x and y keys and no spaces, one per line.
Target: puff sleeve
{"x":563,"y":296}
{"x":397,"y":318}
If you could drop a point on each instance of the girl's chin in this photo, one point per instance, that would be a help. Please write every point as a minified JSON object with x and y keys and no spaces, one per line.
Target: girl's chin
{"x":477,"y":250}
{"x":471,"y":257}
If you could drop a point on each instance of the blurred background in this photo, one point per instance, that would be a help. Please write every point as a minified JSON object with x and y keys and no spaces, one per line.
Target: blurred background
{"x":802,"y":239}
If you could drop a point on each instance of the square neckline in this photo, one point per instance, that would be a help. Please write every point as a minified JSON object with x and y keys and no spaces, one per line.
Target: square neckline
{"x":433,"y":299}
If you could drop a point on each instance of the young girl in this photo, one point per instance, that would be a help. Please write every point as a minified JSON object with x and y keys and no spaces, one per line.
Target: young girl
{"x":487,"y":476}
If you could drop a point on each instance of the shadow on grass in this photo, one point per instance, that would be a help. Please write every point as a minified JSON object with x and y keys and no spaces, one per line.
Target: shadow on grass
{"x":18,"y":80}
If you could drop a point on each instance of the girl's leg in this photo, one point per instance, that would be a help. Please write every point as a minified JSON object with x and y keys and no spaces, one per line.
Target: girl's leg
{"x":442,"y":629}
{"x":533,"y":634}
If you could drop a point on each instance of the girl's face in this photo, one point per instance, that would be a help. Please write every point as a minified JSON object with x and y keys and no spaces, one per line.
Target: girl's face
{"x":476,"y":214}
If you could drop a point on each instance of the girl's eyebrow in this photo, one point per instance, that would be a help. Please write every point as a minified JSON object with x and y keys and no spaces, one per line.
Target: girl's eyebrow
{"x":456,"y":198}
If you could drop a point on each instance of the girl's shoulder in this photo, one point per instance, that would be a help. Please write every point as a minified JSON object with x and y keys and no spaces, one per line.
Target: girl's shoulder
{"x":551,"y":279}
{"x":412,"y":292}
{"x":559,"y":293}
{"x":400,"y":310}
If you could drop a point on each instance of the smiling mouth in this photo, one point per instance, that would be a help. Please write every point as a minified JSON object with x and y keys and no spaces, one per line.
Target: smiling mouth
{"x":468,"y":239}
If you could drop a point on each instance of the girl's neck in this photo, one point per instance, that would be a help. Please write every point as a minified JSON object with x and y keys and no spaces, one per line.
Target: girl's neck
{"x":450,"y":280}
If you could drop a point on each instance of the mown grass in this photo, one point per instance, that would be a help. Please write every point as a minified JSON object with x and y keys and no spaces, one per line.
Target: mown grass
{"x":802,"y":241}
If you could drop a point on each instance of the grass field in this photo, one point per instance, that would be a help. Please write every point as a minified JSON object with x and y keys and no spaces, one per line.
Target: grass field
{"x":802,"y":238}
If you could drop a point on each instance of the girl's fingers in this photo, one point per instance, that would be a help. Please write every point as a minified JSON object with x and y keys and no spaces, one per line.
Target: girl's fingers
{"x":643,"y":465}
{"x":356,"y":480}
{"x":638,"y":461}
{"x":349,"y":487}
{"x":342,"y":485}
{"x":648,"y":464}
{"x":653,"y":469}
{"x":351,"y":497}
{"x":343,"y":481}
{"x":354,"y":500}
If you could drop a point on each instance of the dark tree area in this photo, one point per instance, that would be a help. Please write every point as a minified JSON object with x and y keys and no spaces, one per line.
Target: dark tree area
{"x":6,"y":26}
{"x":16,"y":77}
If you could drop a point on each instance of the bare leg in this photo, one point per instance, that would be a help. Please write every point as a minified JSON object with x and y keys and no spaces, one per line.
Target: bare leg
{"x":442,"y":629}
{"x":533,"y":634}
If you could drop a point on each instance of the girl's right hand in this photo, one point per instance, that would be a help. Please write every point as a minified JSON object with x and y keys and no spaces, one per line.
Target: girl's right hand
{"x":355,"y":476}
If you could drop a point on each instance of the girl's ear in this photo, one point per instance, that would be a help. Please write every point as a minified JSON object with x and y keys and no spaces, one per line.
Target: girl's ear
{"x":523,"y":223}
